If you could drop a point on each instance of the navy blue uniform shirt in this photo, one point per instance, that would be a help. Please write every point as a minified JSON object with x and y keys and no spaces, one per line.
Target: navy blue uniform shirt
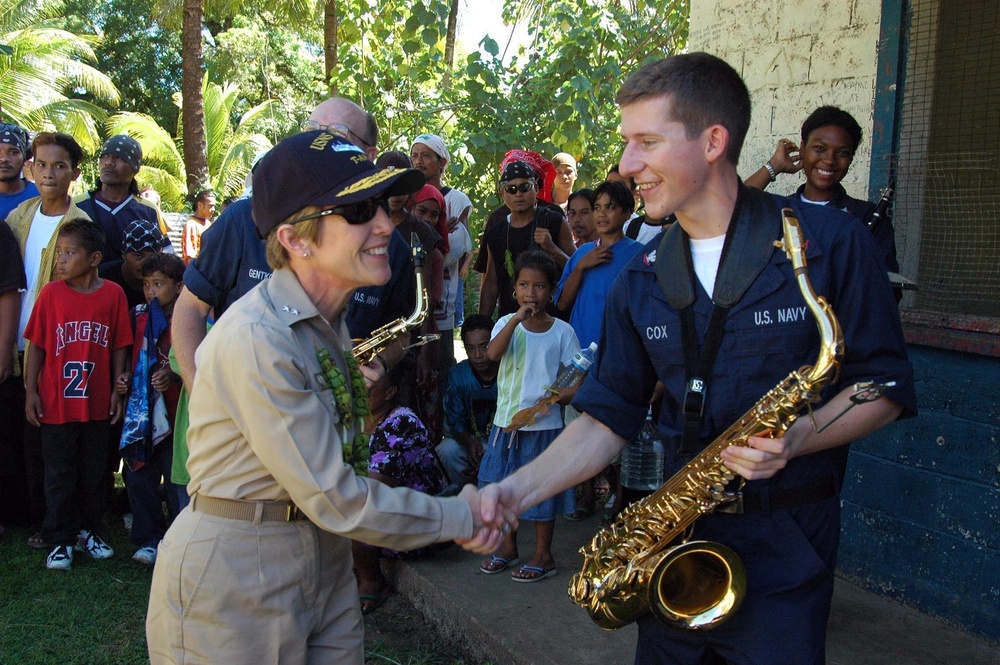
{"x":232,"y":259}
{"x":863,"y":210}
{"x":372,"y":307}
{"x":768,"y":334}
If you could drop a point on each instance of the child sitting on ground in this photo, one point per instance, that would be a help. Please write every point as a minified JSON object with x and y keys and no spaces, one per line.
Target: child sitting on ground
{"x":531,"y":346}
{"x":146,"y":443}
{"x":80,"y":336}
{"x":401,"y":454}
{"x":470,"y":400}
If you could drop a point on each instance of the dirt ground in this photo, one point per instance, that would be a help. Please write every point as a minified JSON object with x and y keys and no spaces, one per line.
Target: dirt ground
{"x":399,"y":631}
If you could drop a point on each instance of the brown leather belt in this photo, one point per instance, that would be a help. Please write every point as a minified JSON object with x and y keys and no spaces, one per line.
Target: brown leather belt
{"x":250,"y":511}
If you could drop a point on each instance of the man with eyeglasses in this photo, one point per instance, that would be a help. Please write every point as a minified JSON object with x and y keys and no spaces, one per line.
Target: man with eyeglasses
{"x":371,"y":307}
{"x":528,"y":226}
{"x":345,"y":119}
{"x":233,"y":260}
{"x":14,"y":189}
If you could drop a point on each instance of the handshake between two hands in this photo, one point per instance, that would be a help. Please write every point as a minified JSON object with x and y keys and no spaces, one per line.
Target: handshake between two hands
{"x":494,"y":515}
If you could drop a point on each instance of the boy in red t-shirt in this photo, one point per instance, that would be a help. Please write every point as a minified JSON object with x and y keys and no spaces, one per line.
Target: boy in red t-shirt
{"x":80,"y":337}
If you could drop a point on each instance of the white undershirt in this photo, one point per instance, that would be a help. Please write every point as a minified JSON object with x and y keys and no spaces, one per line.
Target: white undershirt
{"x":705,"y":254}
{"x":39,"y":235}
{"x":815,"y":203}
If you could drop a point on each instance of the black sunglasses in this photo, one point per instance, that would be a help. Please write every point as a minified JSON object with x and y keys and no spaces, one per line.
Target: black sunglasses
{"x":523,"y":187}
{"x":361,"y":212}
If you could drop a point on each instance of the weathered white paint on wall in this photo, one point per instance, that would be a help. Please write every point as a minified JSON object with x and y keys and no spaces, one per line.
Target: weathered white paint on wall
{"x":795,"y":55}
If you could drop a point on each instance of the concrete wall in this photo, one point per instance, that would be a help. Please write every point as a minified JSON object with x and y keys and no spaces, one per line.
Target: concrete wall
{"x":922,"y":496}
{"x":795,"y":55}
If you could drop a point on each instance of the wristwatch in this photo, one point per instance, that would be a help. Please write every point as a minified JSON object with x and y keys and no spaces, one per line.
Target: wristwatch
{"x":770,"y":170}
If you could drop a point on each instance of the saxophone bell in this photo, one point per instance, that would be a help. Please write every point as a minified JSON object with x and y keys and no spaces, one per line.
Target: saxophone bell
{"x":697,"y":585}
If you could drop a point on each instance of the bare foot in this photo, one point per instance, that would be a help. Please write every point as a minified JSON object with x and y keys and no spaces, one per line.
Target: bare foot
{"x":372,"y":595}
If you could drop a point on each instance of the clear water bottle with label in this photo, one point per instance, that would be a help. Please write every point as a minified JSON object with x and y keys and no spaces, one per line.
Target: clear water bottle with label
{"x":573,"y":372}
{"x":642,"y":458}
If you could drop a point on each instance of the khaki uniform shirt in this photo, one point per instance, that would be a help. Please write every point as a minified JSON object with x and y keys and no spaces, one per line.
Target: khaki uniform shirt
{"x":263,"y":427}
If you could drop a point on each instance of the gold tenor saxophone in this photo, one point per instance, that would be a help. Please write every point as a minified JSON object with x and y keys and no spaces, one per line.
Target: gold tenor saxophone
{"x":365,"y":350}
{"x":633,"y":566}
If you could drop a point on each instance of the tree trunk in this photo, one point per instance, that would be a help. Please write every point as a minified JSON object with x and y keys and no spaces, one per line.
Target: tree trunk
{"x":449,"y":40}
{"x":330,"y":44}
{"x":193,"y":109}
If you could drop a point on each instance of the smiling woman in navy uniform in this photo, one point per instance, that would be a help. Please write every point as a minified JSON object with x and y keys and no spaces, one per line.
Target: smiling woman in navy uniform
{"x":257,"y":569}
{"x":684,"y":119}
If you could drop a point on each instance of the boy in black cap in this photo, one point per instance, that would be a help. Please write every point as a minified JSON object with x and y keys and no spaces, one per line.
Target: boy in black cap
{"x":115,"y":202}
{"x":142,"y":238}
{"x":528,"y":226}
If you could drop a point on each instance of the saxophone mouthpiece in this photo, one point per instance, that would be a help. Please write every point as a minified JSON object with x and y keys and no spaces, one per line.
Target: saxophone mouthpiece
{"x":792,"y":242}
{"x":417,"y":251}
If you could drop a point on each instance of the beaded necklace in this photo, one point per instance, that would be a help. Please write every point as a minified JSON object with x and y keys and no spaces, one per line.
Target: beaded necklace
{"x":352,"y":405}
{"x":508,"y":256}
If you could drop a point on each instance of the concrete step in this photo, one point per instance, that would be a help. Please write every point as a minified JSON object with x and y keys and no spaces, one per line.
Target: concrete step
{"x":504,"y":623}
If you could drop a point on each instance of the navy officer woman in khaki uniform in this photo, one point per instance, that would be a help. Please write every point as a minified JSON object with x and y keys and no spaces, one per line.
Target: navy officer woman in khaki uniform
{"x":258,"y":568}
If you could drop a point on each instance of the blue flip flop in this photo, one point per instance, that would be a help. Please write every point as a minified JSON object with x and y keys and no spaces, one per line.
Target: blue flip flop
{"x":495,"y":560}
{"x":538,"y":574}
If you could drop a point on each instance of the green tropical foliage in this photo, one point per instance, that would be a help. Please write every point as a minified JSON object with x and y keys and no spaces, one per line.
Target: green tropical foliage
{"x":143,"y":57}
{"x":269,"y":60}
{"x":231,"y":146}
{"x":555,"y":94}
{"x":392,"y":56}
{"x":45,"y":79}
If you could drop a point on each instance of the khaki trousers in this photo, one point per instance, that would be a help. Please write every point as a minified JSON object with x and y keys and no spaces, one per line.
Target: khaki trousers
{"x":231,"y":591}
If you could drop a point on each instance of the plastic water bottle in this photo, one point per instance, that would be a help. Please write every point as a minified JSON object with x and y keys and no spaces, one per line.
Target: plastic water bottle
{"x":642,"y":458}
{"x":573,"y":372}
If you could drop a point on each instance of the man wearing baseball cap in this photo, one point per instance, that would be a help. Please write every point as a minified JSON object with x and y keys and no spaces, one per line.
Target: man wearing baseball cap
{"x":430,"y":156}
{"x":142,"y":239}
{"x":276,"y":436}
{"x":115,"y":203}
{"x":14,"y":189}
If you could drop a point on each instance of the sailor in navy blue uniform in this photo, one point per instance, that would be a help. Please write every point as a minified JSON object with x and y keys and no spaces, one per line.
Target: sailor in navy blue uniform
{"x":683,"y":120}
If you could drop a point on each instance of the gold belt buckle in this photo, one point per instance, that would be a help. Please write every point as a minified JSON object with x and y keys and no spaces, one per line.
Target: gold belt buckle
{"x":291,"y":512}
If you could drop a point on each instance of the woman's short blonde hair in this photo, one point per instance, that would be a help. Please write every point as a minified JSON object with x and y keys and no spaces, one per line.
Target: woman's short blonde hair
{"x":277,"y":255}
